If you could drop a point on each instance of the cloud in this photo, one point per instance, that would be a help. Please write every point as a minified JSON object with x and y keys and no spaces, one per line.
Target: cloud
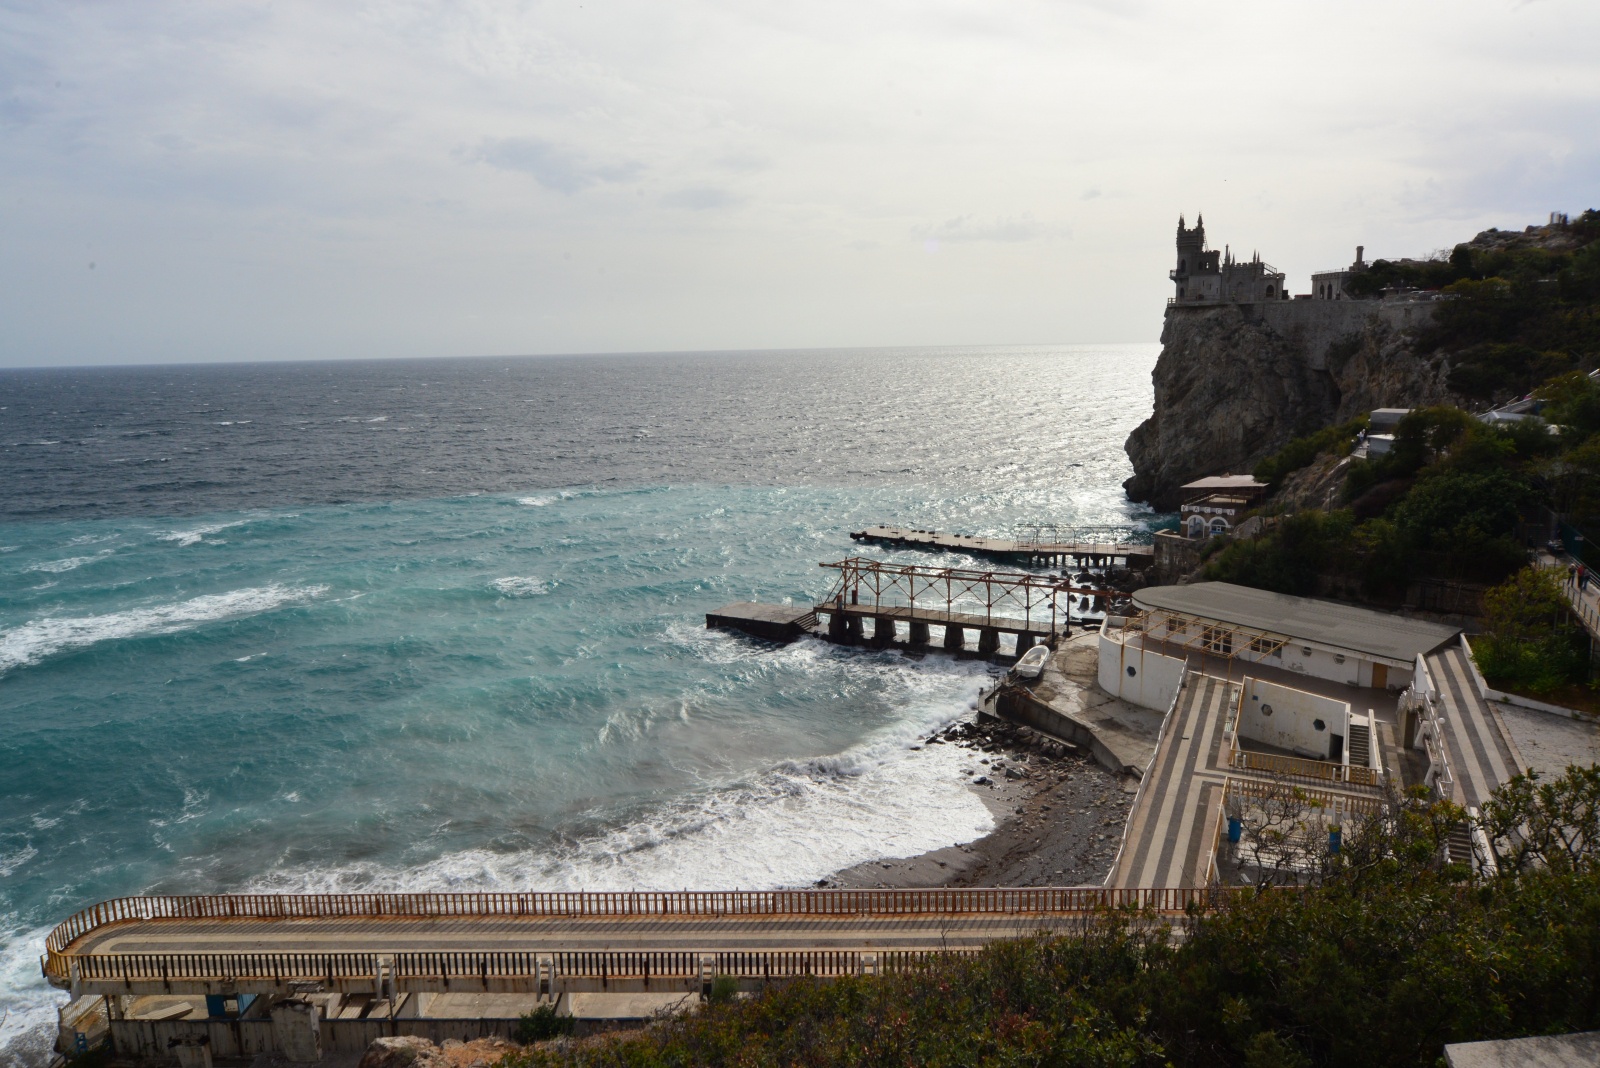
{"x":971,"y":228}
{"x":552,"y":166}
{"x":701,"y":198}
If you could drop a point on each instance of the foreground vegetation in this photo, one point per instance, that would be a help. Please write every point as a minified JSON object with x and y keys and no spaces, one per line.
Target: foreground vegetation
{"x":1388,"y":958}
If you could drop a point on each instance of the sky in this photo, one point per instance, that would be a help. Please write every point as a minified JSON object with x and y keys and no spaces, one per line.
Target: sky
{"x":288,"y":180}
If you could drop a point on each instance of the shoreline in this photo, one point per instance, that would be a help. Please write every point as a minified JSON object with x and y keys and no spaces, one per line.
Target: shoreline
{"x":1058,"y":821}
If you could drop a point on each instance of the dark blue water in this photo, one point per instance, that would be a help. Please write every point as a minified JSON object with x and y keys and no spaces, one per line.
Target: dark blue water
{"x":440,"y":624}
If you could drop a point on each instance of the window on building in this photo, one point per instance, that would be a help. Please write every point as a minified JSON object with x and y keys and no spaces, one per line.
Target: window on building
{"x":1217,"y":640}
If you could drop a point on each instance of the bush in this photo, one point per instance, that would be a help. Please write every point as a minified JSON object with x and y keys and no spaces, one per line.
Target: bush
{"x":1288,"y":560}
{"x":1530,"y":644}
{"x":723,"y":989}
{"x":543,"y":1023}
{"x":1302,"y":451}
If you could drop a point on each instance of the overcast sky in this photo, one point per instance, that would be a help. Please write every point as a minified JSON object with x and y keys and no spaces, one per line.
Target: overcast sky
{"x":287,"y":180}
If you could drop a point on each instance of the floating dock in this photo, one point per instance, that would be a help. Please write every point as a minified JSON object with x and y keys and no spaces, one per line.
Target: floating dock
{"x":1082,"y":553}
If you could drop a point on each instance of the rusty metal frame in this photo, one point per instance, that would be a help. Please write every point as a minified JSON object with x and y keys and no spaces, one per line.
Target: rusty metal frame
{"x":953,"y":588}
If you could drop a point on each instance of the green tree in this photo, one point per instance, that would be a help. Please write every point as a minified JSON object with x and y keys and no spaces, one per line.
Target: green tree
{"x":1529,"y":642}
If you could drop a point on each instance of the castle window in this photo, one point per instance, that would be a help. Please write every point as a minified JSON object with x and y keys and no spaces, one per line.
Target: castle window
{"x":1182,"y":266}
{"x":1269,"y":291}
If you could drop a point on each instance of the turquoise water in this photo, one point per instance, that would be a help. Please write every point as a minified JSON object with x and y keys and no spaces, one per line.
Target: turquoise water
{"x":486,"y":691}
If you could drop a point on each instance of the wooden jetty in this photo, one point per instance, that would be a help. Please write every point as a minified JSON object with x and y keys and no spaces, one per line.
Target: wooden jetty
{"x":1030,"y":551}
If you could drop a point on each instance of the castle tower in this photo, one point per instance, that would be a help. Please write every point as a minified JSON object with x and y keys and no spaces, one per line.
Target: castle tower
{"x":1196,"y":276}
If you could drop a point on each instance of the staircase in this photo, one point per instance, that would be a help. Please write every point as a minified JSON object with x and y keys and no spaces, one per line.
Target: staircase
{"x":1458,"y":846}
{"x":1361,"y":744}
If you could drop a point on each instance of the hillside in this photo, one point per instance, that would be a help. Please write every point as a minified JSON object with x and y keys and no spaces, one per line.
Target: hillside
{"x":1498,"y":315}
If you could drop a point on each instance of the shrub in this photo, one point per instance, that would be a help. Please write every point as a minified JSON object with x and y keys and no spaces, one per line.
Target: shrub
{"x":543,"y":1023}
{"x":1302,"y":451}
{"x":1530,"y":643}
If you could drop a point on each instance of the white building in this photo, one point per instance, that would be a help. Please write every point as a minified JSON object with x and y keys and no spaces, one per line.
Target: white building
{"x":1143,"y":657}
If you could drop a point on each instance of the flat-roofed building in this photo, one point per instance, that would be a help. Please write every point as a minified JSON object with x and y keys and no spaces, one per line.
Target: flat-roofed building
{"x":1234,"y":485}
{"x":1324,"y":639}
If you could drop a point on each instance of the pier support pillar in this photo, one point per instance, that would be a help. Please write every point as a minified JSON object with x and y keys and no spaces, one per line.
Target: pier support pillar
{"x":882,"y":631}
{"x":856,"y":627}
{"x":919,"y":634}
{"x":838,"y":629}
{"x":296,"y":1031}
{"x":1025,"y":641}
{"x":955,"y":639}
{"x":988,"y":641}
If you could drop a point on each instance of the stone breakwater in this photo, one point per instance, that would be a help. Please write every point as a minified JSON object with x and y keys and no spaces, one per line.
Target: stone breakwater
{"x":1236,"y":382}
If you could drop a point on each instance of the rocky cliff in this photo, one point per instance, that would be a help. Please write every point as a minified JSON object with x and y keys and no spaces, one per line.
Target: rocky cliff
{"x":1236,"y":382}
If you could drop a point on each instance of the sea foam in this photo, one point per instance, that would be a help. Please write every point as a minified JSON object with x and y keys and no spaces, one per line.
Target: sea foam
{"x":38,"y":639}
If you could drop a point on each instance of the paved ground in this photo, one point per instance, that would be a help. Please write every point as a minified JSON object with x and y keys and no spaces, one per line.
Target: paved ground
{"x":1174,"y":819}
{"x":1482,"y":755}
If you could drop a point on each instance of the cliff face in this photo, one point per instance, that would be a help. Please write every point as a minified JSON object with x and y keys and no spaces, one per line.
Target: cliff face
{"x":1236,"y":382}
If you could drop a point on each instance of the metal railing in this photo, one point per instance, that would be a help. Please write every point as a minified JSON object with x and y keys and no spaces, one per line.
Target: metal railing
{"x":409,"y":968}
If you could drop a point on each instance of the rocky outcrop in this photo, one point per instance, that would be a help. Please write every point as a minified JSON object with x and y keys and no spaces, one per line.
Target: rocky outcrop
{"x":1236,"y":382}
{"x":403,"y":1051}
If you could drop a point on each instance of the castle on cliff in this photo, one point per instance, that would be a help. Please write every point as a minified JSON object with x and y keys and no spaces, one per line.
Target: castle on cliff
{"x":1206,"y":276}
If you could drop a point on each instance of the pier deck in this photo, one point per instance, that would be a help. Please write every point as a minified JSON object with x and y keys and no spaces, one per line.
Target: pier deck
{"x":1032,"y":551}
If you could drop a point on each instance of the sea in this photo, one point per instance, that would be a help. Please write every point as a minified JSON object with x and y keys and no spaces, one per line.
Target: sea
{"x":439,"y":624}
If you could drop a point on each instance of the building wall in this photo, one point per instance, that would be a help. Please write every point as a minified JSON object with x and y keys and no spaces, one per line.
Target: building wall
{"x":1135,"y":674}
{"x":1292,"y":722}
{"x":1321,"y":662}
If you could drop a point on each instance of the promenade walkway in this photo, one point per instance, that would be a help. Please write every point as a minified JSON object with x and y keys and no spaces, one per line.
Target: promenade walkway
{"x":1481,"y":753}
{"x":512,"y":943}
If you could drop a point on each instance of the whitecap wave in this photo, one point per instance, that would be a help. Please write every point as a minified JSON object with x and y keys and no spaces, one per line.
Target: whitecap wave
{"x":37,"y":639}
{"x":55,"y":567}
{"x":520,"y":586}
{"x":535,"y":502}
{"x":198,"y":534}
{"x":789,"y":826}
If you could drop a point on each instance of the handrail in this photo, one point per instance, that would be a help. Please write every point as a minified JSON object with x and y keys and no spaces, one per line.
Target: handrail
{"x":1301,"y":768}
{"x":553,"y":904}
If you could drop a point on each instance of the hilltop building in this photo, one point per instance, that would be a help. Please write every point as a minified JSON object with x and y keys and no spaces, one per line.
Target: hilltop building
{"x":1330,"y":285}
{"x":1205,"y":276}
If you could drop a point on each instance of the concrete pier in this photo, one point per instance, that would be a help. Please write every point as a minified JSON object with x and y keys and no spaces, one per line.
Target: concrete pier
{"x":769,"y":622}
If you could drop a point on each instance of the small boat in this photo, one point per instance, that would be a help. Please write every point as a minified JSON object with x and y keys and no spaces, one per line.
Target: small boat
{"x":1031,"y":663}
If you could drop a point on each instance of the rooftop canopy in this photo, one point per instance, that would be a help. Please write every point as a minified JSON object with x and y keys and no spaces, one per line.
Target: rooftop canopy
{"x":1360,"y":630}
{"x":1225,"y":482}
